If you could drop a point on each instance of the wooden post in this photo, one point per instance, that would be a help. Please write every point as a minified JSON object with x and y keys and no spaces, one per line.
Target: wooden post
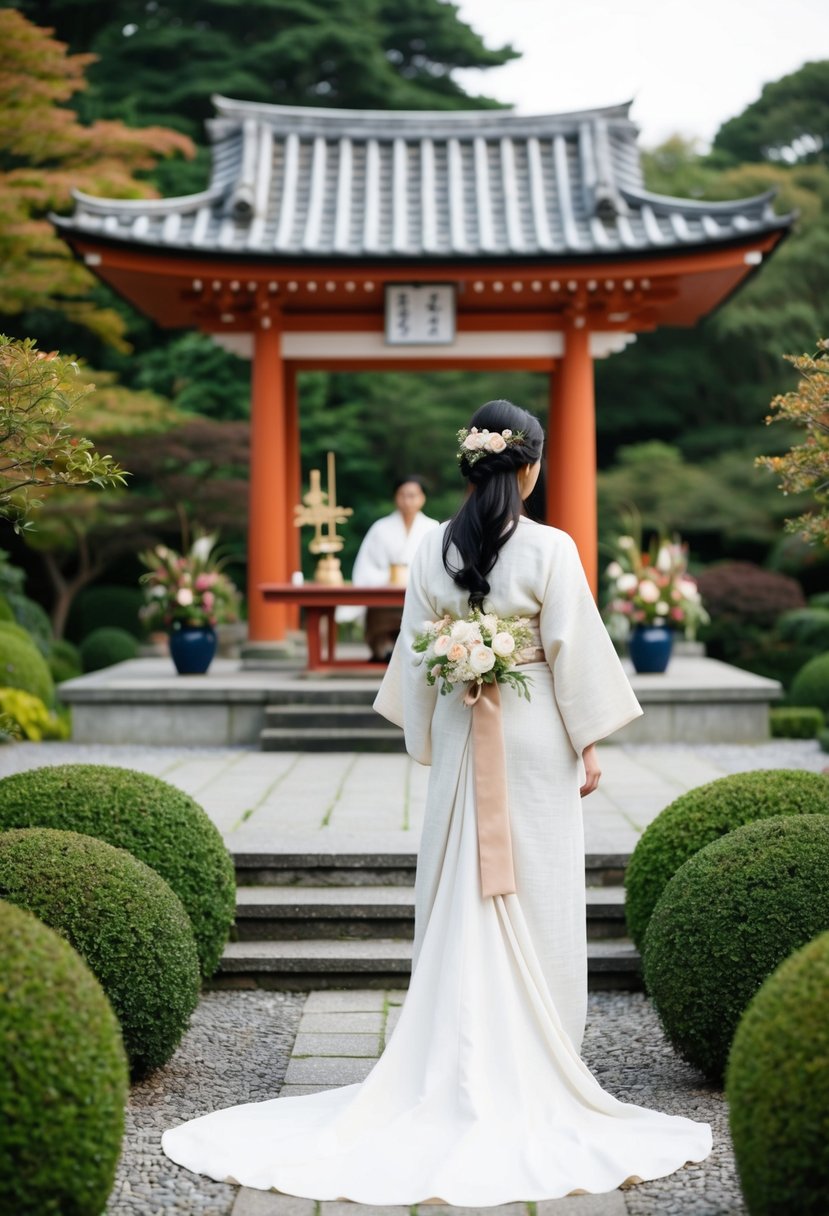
{"x":267,"y":509}
{"x":293,"y":483}
{"x":571,"y":450}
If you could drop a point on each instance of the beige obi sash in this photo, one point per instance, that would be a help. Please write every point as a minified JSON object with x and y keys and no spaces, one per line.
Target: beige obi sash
{"x":490,"y":777}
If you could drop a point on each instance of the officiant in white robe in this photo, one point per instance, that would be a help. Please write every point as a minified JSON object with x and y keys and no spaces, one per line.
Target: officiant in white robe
{"x":391,"y":542}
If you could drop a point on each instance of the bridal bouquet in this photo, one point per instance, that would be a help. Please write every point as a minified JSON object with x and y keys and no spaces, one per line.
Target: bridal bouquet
{"x":482,"y":649}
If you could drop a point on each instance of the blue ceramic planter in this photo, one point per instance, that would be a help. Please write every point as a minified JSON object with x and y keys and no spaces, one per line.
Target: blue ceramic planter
{"x":650,"y":648}
{"x":192,"y":650}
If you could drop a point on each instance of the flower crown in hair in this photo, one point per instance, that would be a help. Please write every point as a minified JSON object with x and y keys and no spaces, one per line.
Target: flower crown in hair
{"x":475,"y":444}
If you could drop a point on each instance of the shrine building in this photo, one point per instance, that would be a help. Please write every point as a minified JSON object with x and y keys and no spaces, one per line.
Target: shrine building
{"x":357,"y":240}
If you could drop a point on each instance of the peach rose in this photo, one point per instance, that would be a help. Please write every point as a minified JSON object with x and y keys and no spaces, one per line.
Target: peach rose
{"x":481,"y":659}
{"x":456,"y":652}
{"x":496,"y":443}
{"x":442,"y":644}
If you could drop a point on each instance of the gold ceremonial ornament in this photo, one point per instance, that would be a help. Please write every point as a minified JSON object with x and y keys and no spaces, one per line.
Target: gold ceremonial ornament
{"x":321,"y":511}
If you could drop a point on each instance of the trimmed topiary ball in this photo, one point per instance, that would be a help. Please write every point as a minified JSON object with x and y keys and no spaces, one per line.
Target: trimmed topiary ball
{"x":105,"y":605}
{"x":106,"y":646}
{"x":704,"y":814}
{"x":777,"y":1086}
{"x":726,"y":919}
{"x":156,"y":822}
{"x":811,"y":684}
{"x":23,"y":666}
{"x":64,"y":1080}
{"x":123,"y":920}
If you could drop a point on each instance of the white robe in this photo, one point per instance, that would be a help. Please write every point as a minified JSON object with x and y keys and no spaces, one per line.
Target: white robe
{"x":387,"y":543}
{"x":480,"y":1097}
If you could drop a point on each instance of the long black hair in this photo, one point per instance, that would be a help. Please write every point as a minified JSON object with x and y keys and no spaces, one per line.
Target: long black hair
{"x":489,"y":514}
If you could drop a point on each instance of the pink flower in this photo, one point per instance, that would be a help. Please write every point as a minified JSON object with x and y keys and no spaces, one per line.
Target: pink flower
{"x":677,"y":614}
{"x":496,"y":443}
{"x":208,"y":600}
{"x":648,"y":591}
{"x":456,"y":652}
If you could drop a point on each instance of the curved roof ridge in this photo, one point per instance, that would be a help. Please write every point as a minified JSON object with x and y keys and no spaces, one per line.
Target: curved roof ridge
{"x":143,"y":206}
{"x":670,"y":203}
{"x":229,"y":107}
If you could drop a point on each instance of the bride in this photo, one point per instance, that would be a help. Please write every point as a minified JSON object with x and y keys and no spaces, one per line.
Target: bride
{"x":480,"y":1097}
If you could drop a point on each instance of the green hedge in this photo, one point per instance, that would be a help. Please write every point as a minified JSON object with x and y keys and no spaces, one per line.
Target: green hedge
{"x":63,"y":1076}
{"x":106,"y":646}
{"x":33,"y":618}
{"x":158,"y":823}
{"x":726,"y":919}
{"x":23,"y":666}
{"x":806,"y":626}
{"x":6,"y":613}
{"x":65,"y":661}
{"x":123,"y":920}
{"x":777,"y":1086}
{"x":103,"y":606}
{"x":811,"y":684}
{"x":703,"y":814}
{"x":790,"y":722}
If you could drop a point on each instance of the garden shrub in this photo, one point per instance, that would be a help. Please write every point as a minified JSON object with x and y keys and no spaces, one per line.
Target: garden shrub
{"x":796,"y":723}
{"x":16,"y":631}
{"x":159,"y":824}
{"x":124,"y":921}
{"x":703,"y":814}
{"x":806,"y":626}
{"x":106,"y":646}
{"x":726,"y":919}
{"x":33,"y":618}
{"x":777,"y":1084}
{"x":30,"y":717}
{"x":106,"y":606}
{"x":63,"y":1075}
{"x":811,"y":684}
{"x":745,"y":592}
{"x":823,"y":740}
{"x":6,"y":613}
{"x":65,"y":661}
{"x":23,"y":666}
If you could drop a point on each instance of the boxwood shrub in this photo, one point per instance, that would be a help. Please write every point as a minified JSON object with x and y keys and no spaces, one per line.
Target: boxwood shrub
{"x":703,"y":814}
{"x":777,"y":1086}
{"x":64,"y":661}
{"x":726,"y":919}
{"x":791,"y":722}
{"x":807,"y":626}
{"x":63,"y":1075}
{"x":811,"y":684}
{"x":23,"y":666}
{"x":123,"y":920}
{"x":156,"y":822}
{"x":106,"y":646}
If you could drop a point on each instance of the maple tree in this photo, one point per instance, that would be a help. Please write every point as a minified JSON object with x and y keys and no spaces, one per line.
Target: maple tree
{"x":45,"y":153}
{"x":805,"y":467}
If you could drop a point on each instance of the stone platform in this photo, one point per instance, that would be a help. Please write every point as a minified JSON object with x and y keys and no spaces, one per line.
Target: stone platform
{"x":698,"y":700}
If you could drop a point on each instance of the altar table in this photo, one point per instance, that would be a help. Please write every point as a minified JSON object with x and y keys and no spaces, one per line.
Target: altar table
{"x":319,"y":600}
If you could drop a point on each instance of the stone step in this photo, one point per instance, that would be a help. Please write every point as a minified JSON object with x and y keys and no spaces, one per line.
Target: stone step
{"x":387,"y":859}
{"x":331,"y":739}
{"x":326,"y":692}
{"x":303,"y":913}
{"x":383,"y":962}
{"x":304,"y":716}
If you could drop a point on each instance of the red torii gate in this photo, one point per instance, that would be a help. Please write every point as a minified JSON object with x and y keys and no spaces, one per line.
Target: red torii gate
{"x":315,"y":220}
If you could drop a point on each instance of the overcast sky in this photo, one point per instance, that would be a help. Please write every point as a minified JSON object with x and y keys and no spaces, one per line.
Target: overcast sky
{"x":688,"y":64}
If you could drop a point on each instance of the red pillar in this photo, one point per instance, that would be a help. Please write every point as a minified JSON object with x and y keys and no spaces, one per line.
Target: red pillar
{"x":571,"y":450}
{"x":267,"y":503}
{"x":293,"y":483}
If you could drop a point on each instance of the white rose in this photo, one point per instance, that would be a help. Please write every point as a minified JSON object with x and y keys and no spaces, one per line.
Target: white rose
{"x":442,"y":644}
{"x":662,"y":609}
{"x":473,"y":442}
{"x":481,"y":659}
{"x":649,"y":591}
{"x":688,"y":589}
{"x":489,"y":622}
{"x":664,"y":560}
{"x":496,"y":443}
{"x":184,"y":597}
{"x":462,"y":631}
{"x":626,"y":542}
{"x":614,"y":570}
{"x":503,"y":644}
{"x":627,"y":583}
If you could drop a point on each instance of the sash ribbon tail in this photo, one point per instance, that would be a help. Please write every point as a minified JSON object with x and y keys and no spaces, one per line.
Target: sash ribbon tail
{"x":491,"y":802}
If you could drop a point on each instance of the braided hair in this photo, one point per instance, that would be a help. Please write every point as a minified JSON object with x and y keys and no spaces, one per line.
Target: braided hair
{"x":489,"y":514}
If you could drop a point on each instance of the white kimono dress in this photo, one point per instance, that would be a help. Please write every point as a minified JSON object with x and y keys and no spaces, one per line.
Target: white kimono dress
{"x":480,"y":1097}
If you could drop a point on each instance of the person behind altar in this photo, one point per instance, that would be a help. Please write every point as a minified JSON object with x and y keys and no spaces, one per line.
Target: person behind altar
{"x":384,"y":558}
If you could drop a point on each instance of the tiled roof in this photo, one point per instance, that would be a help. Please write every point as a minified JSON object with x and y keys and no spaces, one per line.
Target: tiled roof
{"x":292,"y":182}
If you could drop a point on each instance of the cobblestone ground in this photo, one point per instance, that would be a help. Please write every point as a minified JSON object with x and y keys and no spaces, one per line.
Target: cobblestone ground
{"x":238,"y":1049}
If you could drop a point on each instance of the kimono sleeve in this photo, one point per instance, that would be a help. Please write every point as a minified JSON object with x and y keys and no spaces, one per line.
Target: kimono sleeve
{"x":404,"y":697}
{"x":593,"y":693}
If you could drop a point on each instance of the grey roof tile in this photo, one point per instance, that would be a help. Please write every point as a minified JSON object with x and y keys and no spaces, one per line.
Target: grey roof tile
{"x":294,"y":182}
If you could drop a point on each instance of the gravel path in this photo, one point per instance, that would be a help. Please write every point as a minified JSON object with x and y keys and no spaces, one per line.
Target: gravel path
{"x":238,"y":1047}
{"x":236,"y":1050}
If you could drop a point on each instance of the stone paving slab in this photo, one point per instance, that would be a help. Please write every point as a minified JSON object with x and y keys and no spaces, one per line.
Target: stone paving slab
{"x":340,"y":1043}
{"x":341,"y":1023}
{"x":328,"y":1070}
{"x":266,"y":1203}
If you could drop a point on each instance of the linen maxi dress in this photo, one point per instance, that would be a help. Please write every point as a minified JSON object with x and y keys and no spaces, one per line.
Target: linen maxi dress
{"x":480,"y":1097}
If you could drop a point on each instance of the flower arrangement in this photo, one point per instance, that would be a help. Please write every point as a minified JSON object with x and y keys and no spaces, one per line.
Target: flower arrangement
{"x":482,"y":649}
{"x":187,"y":590}
{"x":652,"y":587}
{"x":474,"y":444}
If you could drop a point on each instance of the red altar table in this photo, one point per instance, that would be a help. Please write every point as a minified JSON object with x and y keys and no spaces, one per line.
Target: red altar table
{"x":319,"y":601}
